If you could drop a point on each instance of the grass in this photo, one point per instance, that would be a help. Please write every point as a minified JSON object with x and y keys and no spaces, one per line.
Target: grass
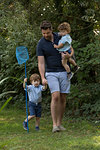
{"x":80,"y":134}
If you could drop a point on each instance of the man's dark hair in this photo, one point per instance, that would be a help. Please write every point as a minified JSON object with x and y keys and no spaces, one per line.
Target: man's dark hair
{"x":45,"y":25}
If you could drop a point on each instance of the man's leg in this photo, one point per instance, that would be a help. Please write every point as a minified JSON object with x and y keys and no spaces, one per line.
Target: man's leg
{"x":58,"y":82}
{"x":62,"y":104}
{"x":55,"y":110}
{"x":54,"y":107}
{"x":64,"y":89}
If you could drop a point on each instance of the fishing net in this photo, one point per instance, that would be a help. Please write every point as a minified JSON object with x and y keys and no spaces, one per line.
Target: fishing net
{"x":22,"y":54}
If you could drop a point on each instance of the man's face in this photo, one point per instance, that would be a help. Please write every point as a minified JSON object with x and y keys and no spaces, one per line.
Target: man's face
{"x":47,"y":34}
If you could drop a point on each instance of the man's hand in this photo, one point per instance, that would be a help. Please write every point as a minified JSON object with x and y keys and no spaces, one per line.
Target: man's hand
{"x":44,"y":81}
{"x":65,"y":55}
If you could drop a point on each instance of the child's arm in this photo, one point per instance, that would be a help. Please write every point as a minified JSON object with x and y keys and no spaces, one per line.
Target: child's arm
{"x":58,"y":46}
{"x":25,"y":80}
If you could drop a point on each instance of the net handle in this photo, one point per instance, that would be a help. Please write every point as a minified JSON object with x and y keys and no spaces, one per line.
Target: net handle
{"x":26,"y":98}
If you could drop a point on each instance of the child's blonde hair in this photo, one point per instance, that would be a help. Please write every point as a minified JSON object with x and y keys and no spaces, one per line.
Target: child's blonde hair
{"x":64,"y":26}
{"x":34,"y":77}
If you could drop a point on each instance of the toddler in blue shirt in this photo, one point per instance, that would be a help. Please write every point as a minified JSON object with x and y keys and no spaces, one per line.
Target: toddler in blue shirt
{"x":35,"y":97}
{"x":64,"y":46}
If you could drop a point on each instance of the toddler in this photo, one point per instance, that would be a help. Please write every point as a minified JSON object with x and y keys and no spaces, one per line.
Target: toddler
{"x":35,"y":97}
{"x":64,"y":46}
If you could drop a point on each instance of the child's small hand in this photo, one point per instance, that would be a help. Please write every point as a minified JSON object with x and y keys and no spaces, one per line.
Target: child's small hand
{"x":25,"y":80}
{"x":44,"y":87}
{"x":55,"y":46}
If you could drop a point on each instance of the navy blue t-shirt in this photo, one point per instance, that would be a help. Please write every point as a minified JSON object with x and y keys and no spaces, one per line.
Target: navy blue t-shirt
{"x":52,"y":56}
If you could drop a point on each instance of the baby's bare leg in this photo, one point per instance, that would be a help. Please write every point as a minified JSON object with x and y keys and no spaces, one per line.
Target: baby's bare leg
{"x":72,"y":61}
{"x":64,"y":63}
{"x":76,"y":67}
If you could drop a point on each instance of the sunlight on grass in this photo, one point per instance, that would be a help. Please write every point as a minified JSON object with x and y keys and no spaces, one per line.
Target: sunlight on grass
{"x":80,"y":135}
{"x":2,"y":119}
{"x":97,"y":140}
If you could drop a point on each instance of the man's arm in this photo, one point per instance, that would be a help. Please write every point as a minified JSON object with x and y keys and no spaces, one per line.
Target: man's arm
{"x":41,"y":67}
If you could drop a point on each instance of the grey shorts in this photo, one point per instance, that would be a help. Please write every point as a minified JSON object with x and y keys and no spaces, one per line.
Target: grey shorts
{"x":57,"y":81}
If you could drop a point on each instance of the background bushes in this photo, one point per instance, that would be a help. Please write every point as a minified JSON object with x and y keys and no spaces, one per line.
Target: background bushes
{"x":19,"y":25}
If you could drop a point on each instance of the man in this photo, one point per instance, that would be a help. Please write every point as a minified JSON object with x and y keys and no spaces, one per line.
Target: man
{"x":53,"y":73}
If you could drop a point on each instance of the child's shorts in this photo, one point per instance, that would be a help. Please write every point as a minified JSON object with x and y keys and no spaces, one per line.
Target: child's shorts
{"x":35,"y":109}
{"x":69,"y":51}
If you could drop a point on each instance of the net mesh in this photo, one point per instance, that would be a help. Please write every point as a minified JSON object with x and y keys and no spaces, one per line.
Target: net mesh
{"x":22,"y":54}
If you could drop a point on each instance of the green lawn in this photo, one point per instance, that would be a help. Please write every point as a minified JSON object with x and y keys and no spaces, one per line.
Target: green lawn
{"x":80,"y":135}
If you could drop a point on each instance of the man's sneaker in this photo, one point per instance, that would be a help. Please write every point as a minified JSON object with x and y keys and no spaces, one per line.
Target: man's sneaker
{"x":70,"y":75}
{"x":25,"y":125}
{"x":37,"y":128}
{"x":55,"y":129}
{"x":61,"y":128}
{"x":76,"y":68}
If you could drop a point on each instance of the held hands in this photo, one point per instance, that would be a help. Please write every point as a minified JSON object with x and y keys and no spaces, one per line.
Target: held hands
{"x":44,"y":81}
{"x":44,"y":87}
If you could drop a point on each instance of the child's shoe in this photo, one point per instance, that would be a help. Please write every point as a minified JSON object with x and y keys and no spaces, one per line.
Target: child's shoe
{"x":25,"y":125}
{"x":37,"y":128}
{"x":76,"y":68}
{"x":70,"y":75}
